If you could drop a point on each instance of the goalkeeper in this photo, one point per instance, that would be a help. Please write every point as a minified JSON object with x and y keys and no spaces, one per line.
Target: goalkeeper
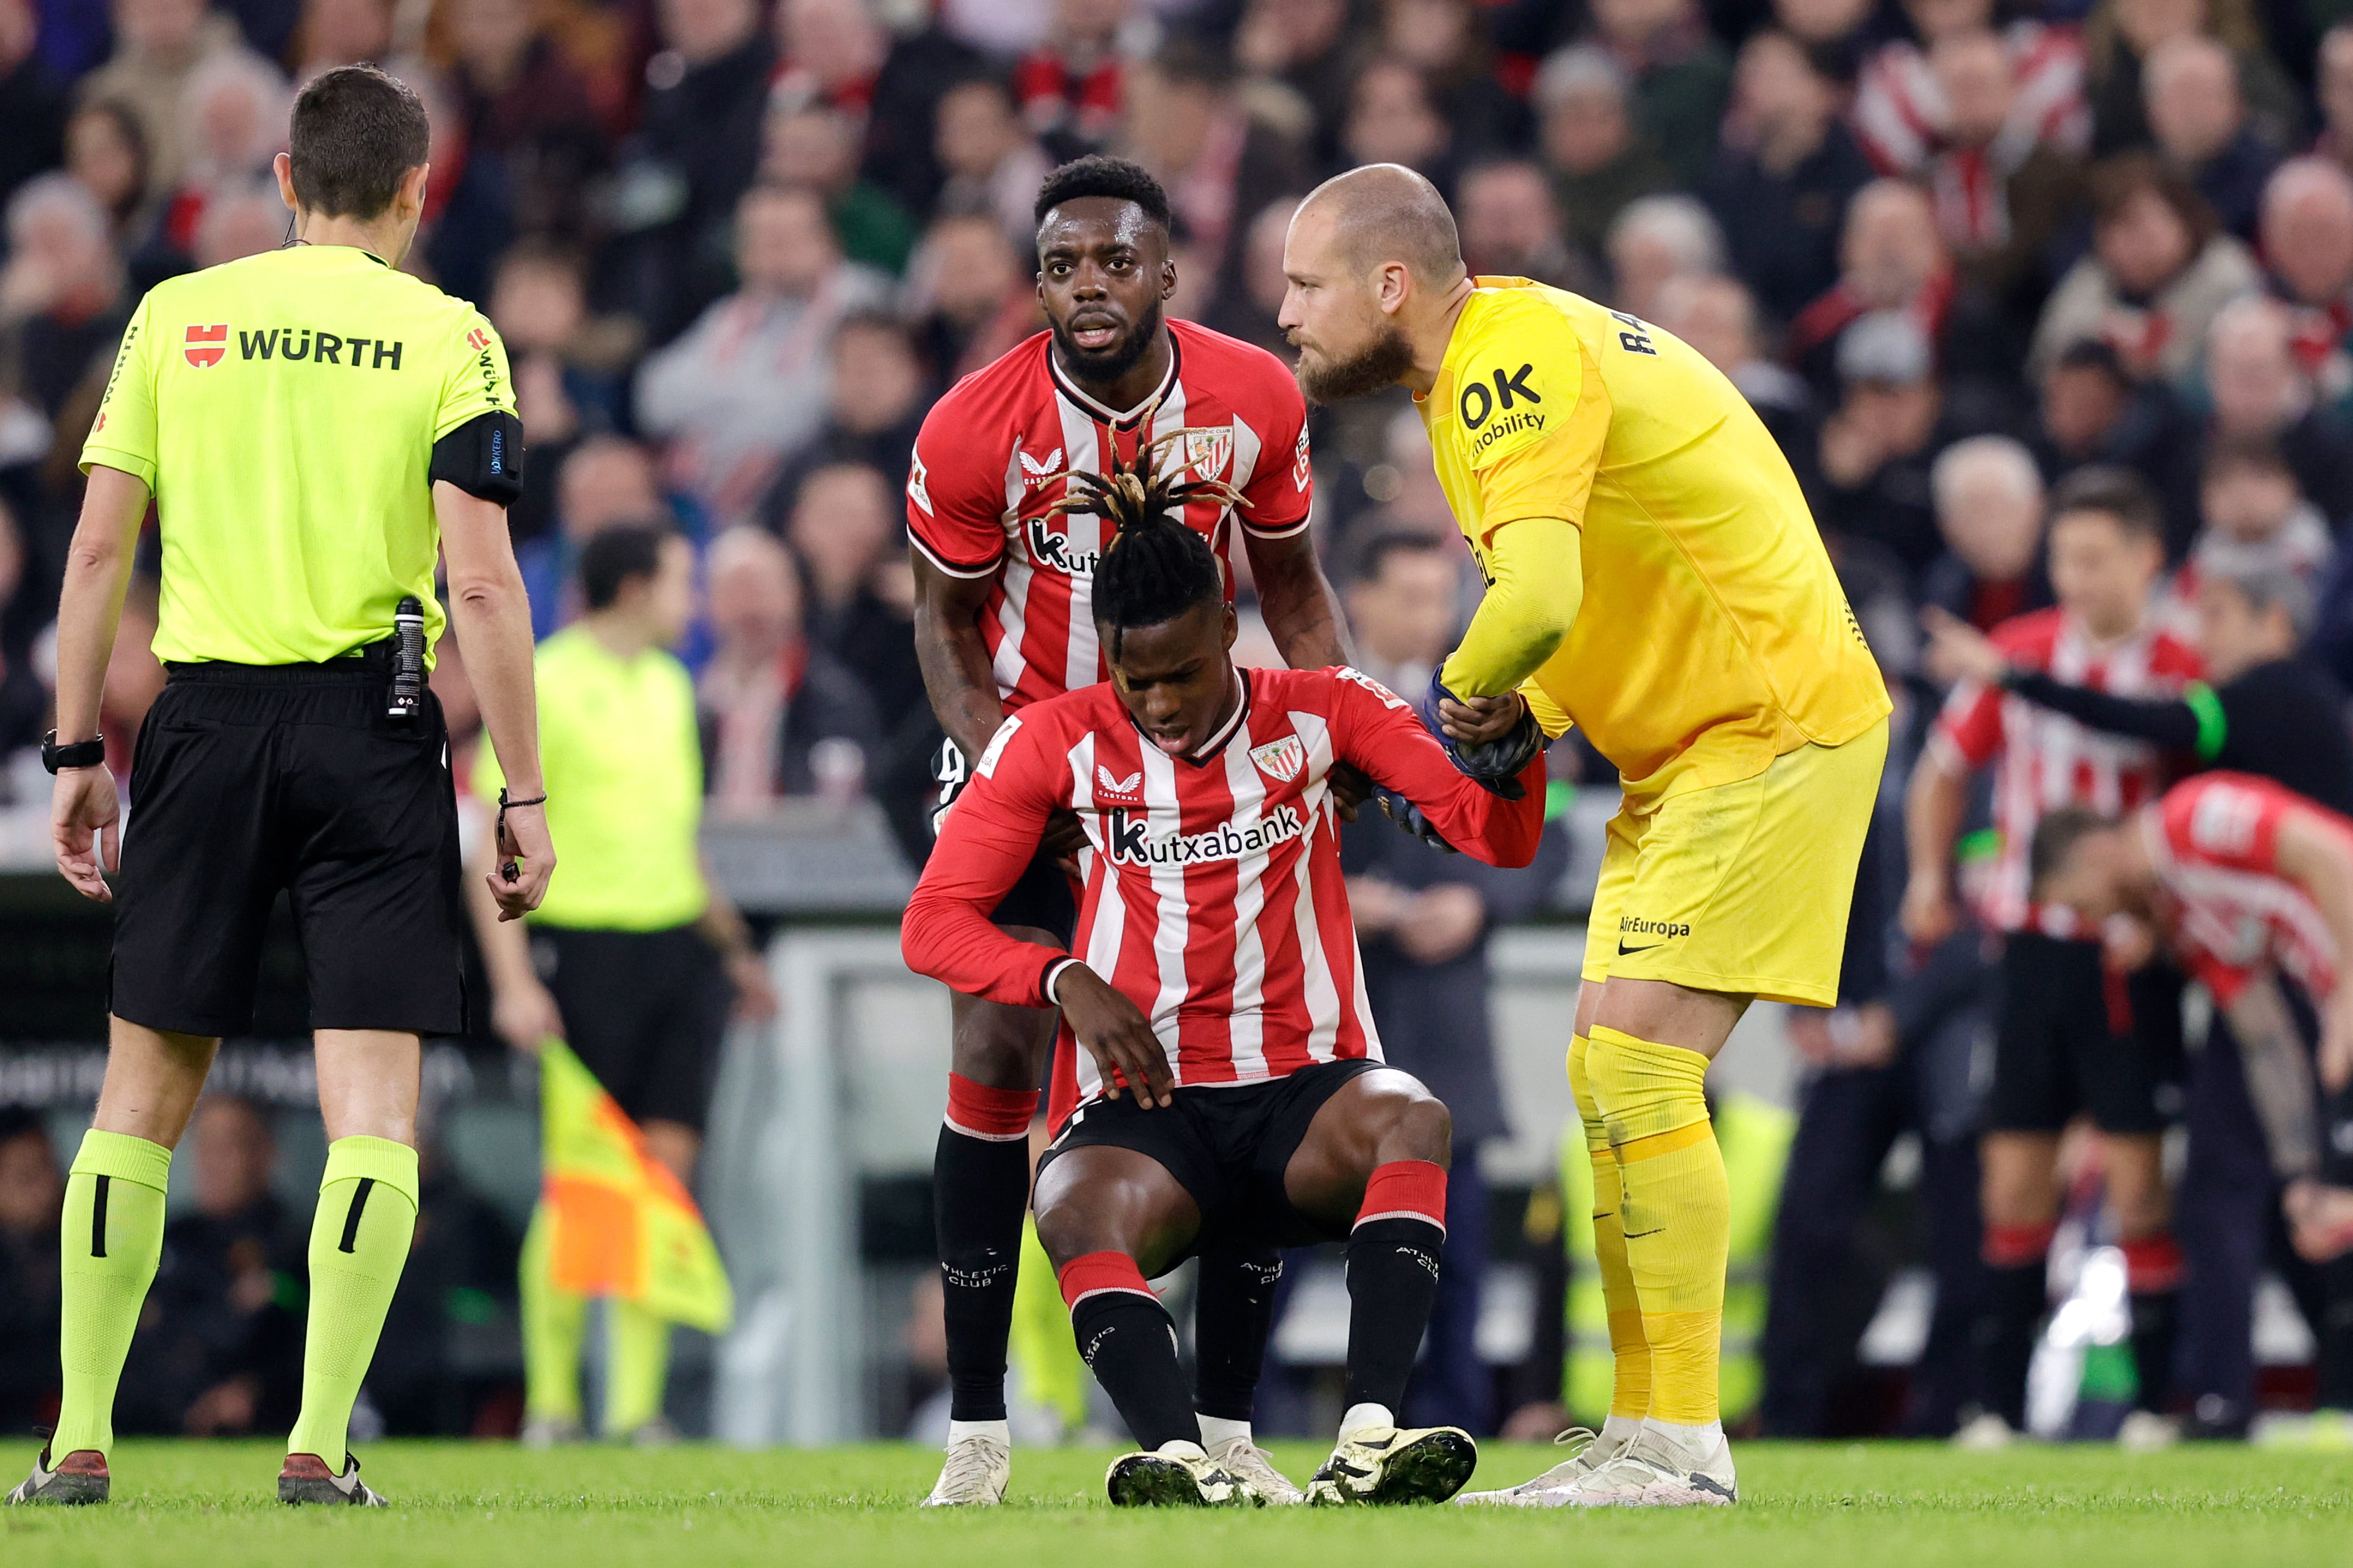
{"x":1652,"y":575}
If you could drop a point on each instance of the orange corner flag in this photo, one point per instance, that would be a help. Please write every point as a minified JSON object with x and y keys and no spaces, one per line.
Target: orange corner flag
{"x":620,"y":1223}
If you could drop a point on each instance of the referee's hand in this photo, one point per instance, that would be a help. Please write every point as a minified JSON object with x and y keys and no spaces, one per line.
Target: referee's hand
{"x":525,"y":850}
{"x":86,"y":825}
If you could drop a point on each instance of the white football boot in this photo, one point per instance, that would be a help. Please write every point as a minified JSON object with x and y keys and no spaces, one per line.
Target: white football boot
{"x":1395,"y":1464}
{"x":1253,"y":1466}
{"x":1653,"y":1472}
{"x":1176,"y":1475}
{"x":1589,"y":1451}
{"x":975,"y":1474}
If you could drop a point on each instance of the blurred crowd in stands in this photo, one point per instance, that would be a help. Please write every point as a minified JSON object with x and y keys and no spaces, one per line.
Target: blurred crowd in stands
{"x":1951,"y":250}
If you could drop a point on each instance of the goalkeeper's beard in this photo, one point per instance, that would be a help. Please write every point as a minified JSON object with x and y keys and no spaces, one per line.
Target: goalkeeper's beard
{"x":1382,"y":362}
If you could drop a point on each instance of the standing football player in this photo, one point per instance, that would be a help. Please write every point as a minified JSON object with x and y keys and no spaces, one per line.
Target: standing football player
{"x":1654,"y":576}
{"x":1004,"y":618}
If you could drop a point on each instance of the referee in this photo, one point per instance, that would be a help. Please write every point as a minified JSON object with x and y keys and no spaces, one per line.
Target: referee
{"x":314,"y":428}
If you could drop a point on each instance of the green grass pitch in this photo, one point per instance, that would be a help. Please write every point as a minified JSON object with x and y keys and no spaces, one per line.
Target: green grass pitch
{"x":496,"y":1506}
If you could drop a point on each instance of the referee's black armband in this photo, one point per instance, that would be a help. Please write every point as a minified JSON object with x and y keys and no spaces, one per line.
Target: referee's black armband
{"x":483,"y":457}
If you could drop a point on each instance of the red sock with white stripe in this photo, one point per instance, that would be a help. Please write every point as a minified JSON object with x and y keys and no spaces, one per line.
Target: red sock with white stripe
{"x":1127,"y":1338}
{"x":1393,"y":1260}
{"x":980,"y":1189}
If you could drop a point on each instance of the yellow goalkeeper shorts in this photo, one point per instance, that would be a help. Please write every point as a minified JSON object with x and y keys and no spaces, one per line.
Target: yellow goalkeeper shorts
{"x":1744,"y":887}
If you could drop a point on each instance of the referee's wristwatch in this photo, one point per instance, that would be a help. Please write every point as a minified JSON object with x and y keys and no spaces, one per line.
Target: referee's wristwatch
{"x":87,"y":753}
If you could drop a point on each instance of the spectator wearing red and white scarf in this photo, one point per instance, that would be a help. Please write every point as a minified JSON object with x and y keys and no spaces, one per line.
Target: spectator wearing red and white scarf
{"x":2159,"y":271}
{"x":1071,"y":86}
{"x":1903,"y":115}
{"x":1891,"y":257}
{"x":2001,"y":190}
{"x":2306,"y":241}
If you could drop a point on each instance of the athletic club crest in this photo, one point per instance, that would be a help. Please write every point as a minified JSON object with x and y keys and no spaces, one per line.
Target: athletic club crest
{"x":1281,"y":760}
{"x":205,"y":345}
{"x":1207,"y":452}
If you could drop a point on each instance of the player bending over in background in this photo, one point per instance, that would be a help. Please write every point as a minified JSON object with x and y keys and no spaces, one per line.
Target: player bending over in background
{"x":1215,"y":977}
{"x":2252,"y":882}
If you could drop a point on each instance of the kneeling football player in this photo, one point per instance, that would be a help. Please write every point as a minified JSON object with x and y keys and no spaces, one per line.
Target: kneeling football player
{"x":1235,"y":1090}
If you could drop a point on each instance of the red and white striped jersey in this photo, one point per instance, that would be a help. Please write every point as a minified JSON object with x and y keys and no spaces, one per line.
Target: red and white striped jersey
{"x":2044,"y":760}
{"x":1001,"y":446}
{"x":1214,"y":899}
{"x":2214,"y":840}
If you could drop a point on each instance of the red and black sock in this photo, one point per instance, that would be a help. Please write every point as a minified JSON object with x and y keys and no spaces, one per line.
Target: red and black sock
{"x":980,"y":1189}
{"x":1393,"y":1258}
{"x":2153,"y":1278}
{"x":1127,"y":1340}
{"x":2017,"y":1269}
{"x":1232,"y":1315}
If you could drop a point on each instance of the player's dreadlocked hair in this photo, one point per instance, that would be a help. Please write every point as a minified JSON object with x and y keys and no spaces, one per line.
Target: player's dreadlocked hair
{"x":1155,"y":568}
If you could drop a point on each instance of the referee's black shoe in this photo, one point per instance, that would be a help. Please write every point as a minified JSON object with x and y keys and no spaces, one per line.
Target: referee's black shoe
{"x":81,"y":1477}
{"x":306,"y":1479}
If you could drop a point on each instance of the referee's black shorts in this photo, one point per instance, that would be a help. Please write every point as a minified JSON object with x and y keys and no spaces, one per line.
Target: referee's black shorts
{"x":253,"y":779}
{"x":645,"y":1011}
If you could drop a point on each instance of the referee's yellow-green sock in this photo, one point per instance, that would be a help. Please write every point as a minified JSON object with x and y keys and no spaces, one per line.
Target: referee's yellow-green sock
{"x":110,"y":1242}
{"x":359,"y":1243}
{"x":1677,"y":1211}
{"x":555,"y":1326}
{"x":637,"y":1366}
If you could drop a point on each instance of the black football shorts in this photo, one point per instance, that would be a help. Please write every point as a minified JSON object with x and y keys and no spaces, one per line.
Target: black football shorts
{"x":251,"y":780}
{"x":2071,"y":1038}
{"x":1227,"y":1144}
{"x":646,"y":1011}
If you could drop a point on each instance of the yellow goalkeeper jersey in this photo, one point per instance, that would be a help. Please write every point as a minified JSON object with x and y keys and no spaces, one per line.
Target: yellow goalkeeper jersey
{"x":1713,"y":636}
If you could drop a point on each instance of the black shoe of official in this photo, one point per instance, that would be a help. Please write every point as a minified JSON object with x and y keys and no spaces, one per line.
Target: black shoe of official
{"x":306,"y":1479}
{"x":81,"y":1477}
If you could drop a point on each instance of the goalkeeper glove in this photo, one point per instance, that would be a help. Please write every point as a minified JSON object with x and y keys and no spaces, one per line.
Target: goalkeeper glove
{"x":1411,"y":819}
{"x":1495,"y":764}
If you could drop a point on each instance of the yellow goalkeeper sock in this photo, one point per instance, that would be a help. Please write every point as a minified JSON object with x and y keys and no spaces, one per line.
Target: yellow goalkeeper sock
{"x":1630,"y":1393}
{"x":1676,"y":1211}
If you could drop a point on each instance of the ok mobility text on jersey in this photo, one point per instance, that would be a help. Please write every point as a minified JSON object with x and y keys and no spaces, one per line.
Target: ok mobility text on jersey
{"x":1478,"y":404}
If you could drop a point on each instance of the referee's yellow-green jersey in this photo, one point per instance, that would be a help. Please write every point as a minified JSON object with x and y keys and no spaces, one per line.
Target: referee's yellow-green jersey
{"x":283,"y":411}
{"x":623,"y":761}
